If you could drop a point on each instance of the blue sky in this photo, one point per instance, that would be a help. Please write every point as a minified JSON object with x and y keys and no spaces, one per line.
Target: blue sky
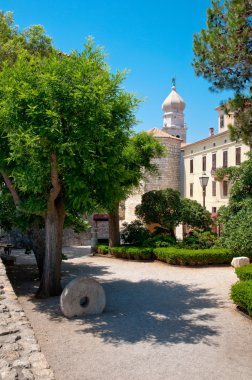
{"x":152,"y":39}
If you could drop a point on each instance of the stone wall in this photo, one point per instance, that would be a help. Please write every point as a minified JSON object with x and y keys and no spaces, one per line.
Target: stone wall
{"x":84,"y":238}
{"x":169,"y":170}
{"x":20,"y":354}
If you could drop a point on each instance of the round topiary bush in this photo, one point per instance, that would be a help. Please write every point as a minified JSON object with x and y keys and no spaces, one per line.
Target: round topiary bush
{"x":241,"y":294}
{"x":244,"y":273}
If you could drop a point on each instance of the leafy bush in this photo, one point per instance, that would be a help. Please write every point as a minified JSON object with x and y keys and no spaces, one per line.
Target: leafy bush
{"x":102,"y":249}
{"x":132,"y":253}
{"x":184,"y":256}
{"x":244,"y":273}
{"x":160,"y":241}
{"x":237,"y":234}
{"x":134,"y":233}
{"x":199,"y":240}
{"x":241,"y":294}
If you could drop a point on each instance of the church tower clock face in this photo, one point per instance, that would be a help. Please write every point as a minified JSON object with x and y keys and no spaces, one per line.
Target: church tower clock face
{"x":173,"y":117}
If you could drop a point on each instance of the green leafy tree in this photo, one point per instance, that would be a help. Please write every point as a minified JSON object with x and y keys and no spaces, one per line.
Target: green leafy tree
{"x":65,"y":121}
{"x":166,"y":208}
{"x":194,"y":215}
{"x":236,"y":217}
{"x":237,"y":232}
{"x":223,"y":56}
{"x":162,"y":207}
{"x":33,"y":41}
{"x":223,"y":50}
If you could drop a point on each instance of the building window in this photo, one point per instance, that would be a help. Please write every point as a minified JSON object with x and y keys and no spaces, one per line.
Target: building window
{"x":214,"y":189}
{"x":238,"y":156}
{"x":214,"y":210}
{"x":204,"y":148}
{"x":225,"y":159}
{"x":221,"y":121}
{"x":214,"y":161}
{"x":191,"y":189}
{"x":191,"y":166}
{"x":225,"y":188}
{"x":204,"y":163}
{"x":214,"y":144}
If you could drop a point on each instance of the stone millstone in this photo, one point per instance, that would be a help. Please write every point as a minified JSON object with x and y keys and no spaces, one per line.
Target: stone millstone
{"x":239,"y":261}
{"x":82,"y":296}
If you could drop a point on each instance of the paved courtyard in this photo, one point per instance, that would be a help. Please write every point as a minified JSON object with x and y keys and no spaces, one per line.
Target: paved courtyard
{"x":161,"y":322}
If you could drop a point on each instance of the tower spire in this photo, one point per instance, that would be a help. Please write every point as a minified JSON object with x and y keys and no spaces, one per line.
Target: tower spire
{"x":173,"y":117}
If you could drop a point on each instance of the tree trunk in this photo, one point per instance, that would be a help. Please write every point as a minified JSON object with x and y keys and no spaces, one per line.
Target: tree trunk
{"x":54,"y":221}
{"x":114,"y":229}
{"x":37,"y":239}
{"x":50,"y":284}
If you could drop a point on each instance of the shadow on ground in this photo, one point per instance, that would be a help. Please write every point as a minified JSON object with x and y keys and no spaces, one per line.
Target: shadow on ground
{"x":161,"y":313}
{"x":157,"y":312}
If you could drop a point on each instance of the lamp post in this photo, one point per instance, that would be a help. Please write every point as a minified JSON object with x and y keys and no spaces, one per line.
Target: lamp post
{"x":204,"y":181}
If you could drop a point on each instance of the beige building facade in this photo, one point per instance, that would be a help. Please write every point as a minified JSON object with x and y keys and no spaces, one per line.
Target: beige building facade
{"x":204,"y":157}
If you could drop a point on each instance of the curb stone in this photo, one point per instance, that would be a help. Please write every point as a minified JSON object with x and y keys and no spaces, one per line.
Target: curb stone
{"x":20,"y":355}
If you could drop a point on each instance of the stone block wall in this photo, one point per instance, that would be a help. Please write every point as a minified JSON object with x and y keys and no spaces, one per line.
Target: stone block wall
{"x":168,"y":176}
{"x":20,"y":354}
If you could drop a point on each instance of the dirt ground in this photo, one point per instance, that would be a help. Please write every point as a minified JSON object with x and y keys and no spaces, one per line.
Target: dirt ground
{"x":161,"y":322}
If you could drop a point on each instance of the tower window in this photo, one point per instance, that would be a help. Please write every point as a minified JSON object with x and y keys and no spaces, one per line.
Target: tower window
{"x":213,"y":161}
{"x":178,"y":136}
{"x":238,"y":156}
{"x":225,"y":188}
{"x":204,"y":163}
{"x":221,"y":121}
{"x":225,"y":159}
{"x":213,"y":188}
{"x":191,"y":166}
{"x":191,"y":189}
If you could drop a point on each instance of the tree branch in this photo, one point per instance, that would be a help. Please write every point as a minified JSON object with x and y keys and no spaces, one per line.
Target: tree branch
{"x":8,"y":183}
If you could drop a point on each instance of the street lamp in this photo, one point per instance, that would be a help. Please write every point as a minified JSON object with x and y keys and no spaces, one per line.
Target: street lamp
{"x":204,"y":181}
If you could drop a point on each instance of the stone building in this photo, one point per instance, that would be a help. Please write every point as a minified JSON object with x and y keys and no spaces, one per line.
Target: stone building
{"x":184,"y":163}
{"x":170,"y":167}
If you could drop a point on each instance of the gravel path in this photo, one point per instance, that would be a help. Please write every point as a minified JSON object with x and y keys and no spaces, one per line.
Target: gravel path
{"x":161,"y":322}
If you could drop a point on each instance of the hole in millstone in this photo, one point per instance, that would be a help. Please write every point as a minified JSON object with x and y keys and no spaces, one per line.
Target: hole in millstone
{"x":84,"y":301}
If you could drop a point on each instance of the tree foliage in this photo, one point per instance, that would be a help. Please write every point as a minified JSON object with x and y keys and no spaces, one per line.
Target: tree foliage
{"x":223,"y":50}
{"x":236,"y":217}
{"x":162,"y":207}
{"x":223,"y":56}
{"x":166,"y":208}
{"x":194,"y":215}
{"x":64,"y":121}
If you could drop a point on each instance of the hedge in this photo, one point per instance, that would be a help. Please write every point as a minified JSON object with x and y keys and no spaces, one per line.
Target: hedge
{"x":244,"y":273}
{"x":183,"y":256}
{"x":241,"y":294}
{"x":102,"y":249}
{"x":132,"y":253}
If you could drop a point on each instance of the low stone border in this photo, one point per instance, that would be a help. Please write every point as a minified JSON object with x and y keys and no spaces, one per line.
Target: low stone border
{"x":20,"y":354}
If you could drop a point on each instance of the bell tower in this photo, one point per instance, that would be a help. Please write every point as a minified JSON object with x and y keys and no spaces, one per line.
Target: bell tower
{"x":173,"y":118}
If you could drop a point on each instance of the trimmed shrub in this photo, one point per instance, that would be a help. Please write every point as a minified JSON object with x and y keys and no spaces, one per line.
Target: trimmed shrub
{"x":102,"y":249}
{"x":160,"y":241}
{"x":183,"y":256}
{"x":199,"y":240}
{"x":241,"y":294}
{"x":244,"y":273}
{"x":134,"y":233}
{"x":132,"y":253}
